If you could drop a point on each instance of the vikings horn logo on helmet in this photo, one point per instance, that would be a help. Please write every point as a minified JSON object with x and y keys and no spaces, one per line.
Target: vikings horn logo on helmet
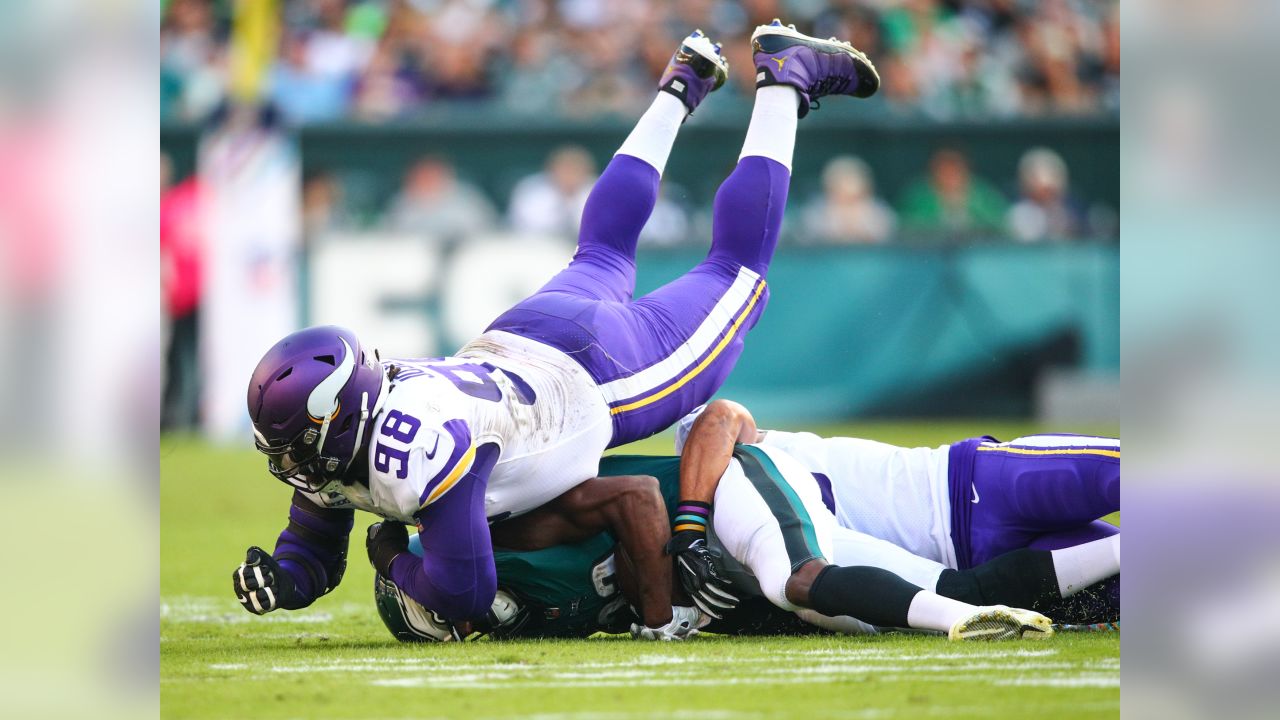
{"x":322,"y":403}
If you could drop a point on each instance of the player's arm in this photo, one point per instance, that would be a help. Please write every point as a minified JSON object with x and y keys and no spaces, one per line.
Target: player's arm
{"x":309,"y":560}
{"x":456,"y":576}
{"x":707,"y":451}
{"x":709,"y":448}
{"x":630,"y":507}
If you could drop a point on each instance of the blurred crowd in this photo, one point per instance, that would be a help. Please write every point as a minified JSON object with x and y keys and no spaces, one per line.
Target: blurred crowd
{"x":947,"y":203}
{"x":382,"y":59}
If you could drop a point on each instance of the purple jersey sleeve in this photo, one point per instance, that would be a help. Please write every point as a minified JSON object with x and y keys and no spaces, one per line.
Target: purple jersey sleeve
{"x":455,"y":576}
{"x":313,"y":547}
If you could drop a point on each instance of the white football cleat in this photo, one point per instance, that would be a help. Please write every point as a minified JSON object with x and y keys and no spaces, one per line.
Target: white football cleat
{"x":1001,"y":622}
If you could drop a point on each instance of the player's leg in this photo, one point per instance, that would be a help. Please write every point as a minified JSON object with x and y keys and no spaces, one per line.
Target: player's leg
{"x":689,"y":333}
{"x":1096,"y":530}
{"x":619,"y":205}
{"x":768,"y":515}
{"x":857,"y":548}
{"x":884,"y":599}
{"x":1021,"y":490}
{"x":1039,"y":580}
{"x":769,"y":523}
{"x":1077,"y":584}
{"x":1097,"y":603}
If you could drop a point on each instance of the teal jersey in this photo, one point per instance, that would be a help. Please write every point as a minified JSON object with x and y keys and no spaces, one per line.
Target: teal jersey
{"x":666,"y":468}
{"x":571,"y":590}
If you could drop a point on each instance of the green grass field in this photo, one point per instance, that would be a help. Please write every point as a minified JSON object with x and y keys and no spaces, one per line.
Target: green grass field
{"x":335,"y":660}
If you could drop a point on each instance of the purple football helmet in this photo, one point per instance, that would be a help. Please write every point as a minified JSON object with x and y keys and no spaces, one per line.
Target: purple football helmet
{"x":310,"y":398}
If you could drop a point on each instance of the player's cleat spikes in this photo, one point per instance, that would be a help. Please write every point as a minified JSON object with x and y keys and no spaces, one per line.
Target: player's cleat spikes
{"x":1000,"y":622}
{"x":697,"y":68}
{"x":815,"y":68}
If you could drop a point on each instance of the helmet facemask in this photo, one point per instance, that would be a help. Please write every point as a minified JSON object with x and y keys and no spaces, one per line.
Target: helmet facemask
{"x":311,"y":399}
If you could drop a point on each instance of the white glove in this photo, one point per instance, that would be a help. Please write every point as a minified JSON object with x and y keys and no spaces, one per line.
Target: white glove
{"x":685,"y":622}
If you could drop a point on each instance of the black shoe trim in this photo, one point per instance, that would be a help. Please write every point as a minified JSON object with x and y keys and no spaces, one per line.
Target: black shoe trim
{"x":683,"y":94}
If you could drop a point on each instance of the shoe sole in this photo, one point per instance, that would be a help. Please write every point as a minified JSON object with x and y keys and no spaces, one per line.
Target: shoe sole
{"x":705,"y":49}
{"x":1004,"y":624}
{"x":828,"y":46}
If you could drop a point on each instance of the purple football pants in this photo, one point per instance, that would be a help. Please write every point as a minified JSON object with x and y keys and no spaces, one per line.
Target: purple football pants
{"x":1043,"y":491}
{"x":657,"y":357}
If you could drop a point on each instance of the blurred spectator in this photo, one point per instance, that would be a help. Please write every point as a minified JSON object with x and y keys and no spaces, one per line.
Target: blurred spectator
{"x":537,"y":73}
{"x":303,"y":93}
{"x":1110,"y":61}
{"x":550,"y":202}
{"x":191,"y":55}
{"x":951,"y":202}
{"x":181,"y":238}
{"x":1044,"y":212}
{"x":848,"y":210}
{"x":385,"y":90}
{"x":435,"y":203}
{"x":611,"y":83}
{"x":1058,"y":47}
{"x":333,"y":49}
{"x":322,"y":206}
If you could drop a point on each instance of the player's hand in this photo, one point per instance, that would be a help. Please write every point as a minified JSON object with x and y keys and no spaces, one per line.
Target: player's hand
{"x":695,"y":565}
{"x":385,"y":541}
{"x":262,"y":586}
{"x":685,"y":622}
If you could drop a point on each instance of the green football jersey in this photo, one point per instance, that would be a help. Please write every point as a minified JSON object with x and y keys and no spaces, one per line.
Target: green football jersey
{"x":572,"y":590}
{"x":568,"y":590}
{"x":664,"y":467}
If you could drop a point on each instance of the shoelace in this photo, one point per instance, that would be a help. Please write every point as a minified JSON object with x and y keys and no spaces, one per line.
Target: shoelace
{"x":826,"y":86}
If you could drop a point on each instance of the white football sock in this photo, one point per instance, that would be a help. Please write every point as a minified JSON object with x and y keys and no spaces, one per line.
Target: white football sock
{"x":1080,"y":566}
{"x":654,"y":134}
{"x":772,"y":132}
{"x":930,"y":611}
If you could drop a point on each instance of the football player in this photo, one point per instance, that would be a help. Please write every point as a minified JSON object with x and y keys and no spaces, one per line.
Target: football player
{"x":920,"y":512}
{"x":523,"y":413}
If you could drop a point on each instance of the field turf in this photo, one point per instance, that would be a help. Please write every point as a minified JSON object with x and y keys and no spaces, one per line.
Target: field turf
{"x":335,"y":660}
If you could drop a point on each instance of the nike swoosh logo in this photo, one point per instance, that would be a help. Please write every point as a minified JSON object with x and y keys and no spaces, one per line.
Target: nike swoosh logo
{"x":323,"y":400}
{"x":432,"y":455}
{"x":975,"y":493}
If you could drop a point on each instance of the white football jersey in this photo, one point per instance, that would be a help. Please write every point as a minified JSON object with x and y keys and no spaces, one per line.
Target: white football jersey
{"x":539,"y":407}
{"x":896,"y":494}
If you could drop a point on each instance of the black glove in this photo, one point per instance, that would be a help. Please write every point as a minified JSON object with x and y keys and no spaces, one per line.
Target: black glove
{"x":385,"y":541}
{"x":262,"y":586}
{"x":695,"y":565}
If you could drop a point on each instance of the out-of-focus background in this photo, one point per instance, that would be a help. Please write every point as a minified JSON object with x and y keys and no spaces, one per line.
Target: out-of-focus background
{"x":410,"y":168}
